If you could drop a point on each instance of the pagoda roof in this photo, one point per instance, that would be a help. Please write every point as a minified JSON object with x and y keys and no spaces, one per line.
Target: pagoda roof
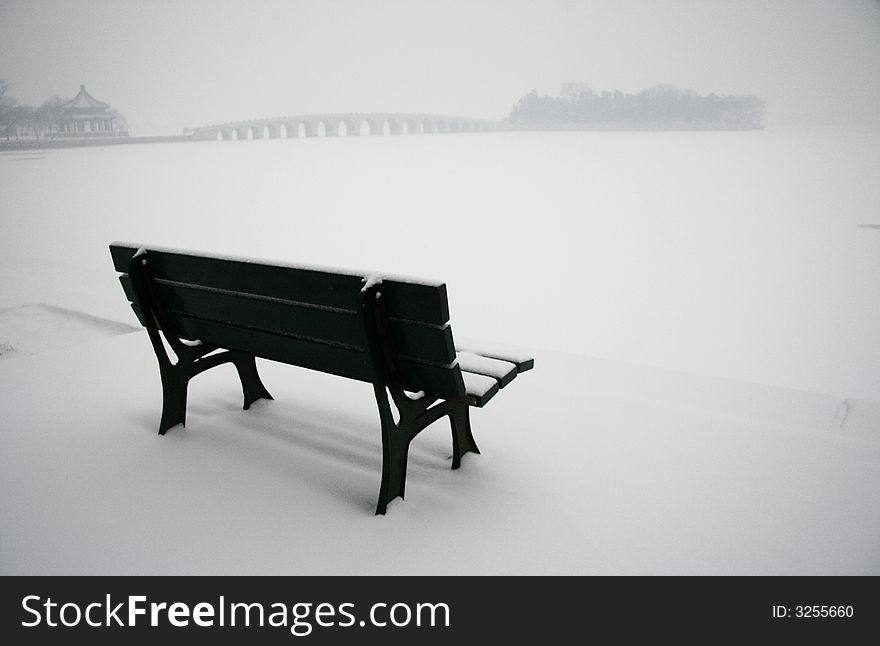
{"x":84,"y":100}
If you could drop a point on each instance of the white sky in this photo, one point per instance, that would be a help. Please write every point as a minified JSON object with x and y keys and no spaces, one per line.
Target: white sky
{"x":171,"y":64}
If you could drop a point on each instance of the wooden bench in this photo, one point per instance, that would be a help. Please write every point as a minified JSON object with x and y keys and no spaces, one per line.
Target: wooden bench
{"x":392,"y":332}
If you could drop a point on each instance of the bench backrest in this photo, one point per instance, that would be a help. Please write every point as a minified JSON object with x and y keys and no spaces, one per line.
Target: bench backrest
{"x":302,"y":316}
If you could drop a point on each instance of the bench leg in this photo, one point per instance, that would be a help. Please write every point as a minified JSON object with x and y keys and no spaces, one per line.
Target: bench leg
{"x":462,"y":438}
{"x":251,"y":385}
{"x":173,"y":400}
{"x":396,"y":438}
{"x":175,"y":379}
{"x":190,"y":359}
{"x":395,"y":448}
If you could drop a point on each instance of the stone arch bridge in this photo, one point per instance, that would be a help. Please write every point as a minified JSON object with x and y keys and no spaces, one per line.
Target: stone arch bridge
{"x":346,"y":124}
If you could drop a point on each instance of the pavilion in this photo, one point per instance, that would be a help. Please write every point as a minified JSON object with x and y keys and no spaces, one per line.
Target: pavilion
{"x":85,"y":116}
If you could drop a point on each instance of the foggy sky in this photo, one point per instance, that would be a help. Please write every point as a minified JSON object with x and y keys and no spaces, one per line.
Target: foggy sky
{"x":167,"y":65}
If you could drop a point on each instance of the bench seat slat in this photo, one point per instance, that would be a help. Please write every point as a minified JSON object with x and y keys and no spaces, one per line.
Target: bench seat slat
{"x":423,"y":342}
{"x":522,"y":361}
{"x":502,"y":371}
{"x":417,"y":300}
{"x":480,"y":388}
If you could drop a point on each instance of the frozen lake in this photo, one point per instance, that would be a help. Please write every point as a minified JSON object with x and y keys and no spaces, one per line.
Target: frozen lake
{"x":735,"y":254}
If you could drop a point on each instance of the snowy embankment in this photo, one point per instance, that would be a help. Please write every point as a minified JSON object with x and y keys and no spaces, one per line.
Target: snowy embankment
{"x":588,"y":466}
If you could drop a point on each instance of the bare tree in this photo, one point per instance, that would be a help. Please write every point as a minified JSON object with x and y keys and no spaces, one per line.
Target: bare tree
{"x":121,"y":122}
{"x":29,"y":120}
{"x":48,"y":114}
{"x":12,"y":114}
{"x":572,"y":90}
{"x":13,"y":118}
{"x":8,"y":108}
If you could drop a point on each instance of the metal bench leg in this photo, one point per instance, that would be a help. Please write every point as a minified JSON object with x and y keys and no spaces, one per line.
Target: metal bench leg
{"x":415,"y":414}
{"x":175,"y":380}
{"x":462,"y":438}
{"x":395,"y":449}
{"x":394,"y":457}
{"x":251,"y":385}
{"x":174,"y":387}
{"x":191,"y":360}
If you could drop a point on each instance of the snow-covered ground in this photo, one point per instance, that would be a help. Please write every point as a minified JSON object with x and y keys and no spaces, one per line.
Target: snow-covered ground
{"x":702,"y":308}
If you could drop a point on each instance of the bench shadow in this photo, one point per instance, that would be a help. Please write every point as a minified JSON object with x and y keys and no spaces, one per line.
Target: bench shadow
{"x":334,"y":432}
{"x":312,"y":425}
{"x":295,"y":432}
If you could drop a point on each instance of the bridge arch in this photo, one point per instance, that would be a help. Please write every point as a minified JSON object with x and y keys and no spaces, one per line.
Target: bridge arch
{"x":325,"y":127}
{"x":295,"y":129}
{"x":352,"y":129}
{"x":355,"y":127}
{"x":413,"y":127}
{"x":375,"y":126}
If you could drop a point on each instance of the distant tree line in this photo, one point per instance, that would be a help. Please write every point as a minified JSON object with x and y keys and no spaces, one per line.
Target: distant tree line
{"x":25,"y":121}
{"x":663,"y":106}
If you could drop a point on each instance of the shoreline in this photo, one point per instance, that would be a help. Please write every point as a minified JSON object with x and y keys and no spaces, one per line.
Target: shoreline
{"x":630,"y":127}
{"x":40,"y":144}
